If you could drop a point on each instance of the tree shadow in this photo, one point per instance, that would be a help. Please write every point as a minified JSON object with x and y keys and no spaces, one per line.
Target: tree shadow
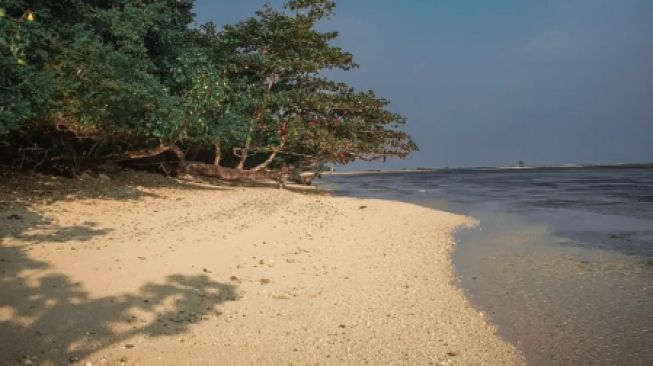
{"x":23,"y":188}
{"x":45,"y":317}
{"x":51,"y":320}
{"x":20,"y":193}
{"x":75,"y":232}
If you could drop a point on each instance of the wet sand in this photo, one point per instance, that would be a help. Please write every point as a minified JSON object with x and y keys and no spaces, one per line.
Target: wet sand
{"x":141,"y":270}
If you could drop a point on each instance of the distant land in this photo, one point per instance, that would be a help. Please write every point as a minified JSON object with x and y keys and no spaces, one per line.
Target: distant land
{"x":516,"y":167}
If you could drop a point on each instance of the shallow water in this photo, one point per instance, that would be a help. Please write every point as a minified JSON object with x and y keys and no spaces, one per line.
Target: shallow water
{"x":561,"y":260}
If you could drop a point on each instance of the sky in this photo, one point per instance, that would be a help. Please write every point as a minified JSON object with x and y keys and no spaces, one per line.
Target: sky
{"x":489,"y":83}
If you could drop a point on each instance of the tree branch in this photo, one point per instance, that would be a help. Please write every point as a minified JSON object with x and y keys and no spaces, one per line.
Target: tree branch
{"x":218,"y":153}
{"x":245,"y":149}
{"x":270,"y":158}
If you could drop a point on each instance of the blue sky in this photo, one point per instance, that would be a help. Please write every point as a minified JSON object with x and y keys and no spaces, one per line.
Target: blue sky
{"x":487,"y":83}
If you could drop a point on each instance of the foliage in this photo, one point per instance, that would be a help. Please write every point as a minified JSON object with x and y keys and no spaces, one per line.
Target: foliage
{"x":25,"y":86}
{"x":127,"y":75}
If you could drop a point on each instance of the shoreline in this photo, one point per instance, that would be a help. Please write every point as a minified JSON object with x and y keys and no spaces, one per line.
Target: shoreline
{"x":551,"y":256}
{"x":130,"y":272}
{"x":488,"y":168}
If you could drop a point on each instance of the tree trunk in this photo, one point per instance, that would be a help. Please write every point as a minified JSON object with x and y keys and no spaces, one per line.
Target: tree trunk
{"x":248,"y":140}
{"x":244,"y":151}
{"x":140,"y":154}
{"x":270,"y":158}
{"x":218,"y":153}
{"x":198,"y":169}
{"x":222,"y":173}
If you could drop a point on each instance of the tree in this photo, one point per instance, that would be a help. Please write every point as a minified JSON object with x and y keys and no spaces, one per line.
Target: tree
{"x":284,"y":110}
{"x":87,"y":81}
{"x":25,"y":87}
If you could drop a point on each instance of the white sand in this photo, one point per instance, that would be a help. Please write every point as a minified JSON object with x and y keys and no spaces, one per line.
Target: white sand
{"x":176,"y":274}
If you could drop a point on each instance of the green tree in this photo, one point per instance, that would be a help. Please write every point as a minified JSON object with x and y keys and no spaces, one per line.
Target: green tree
{"x":292,"y":114}
{"x":25,"y":84}
{"x":90,"y":80}
{"x":91,"y":77}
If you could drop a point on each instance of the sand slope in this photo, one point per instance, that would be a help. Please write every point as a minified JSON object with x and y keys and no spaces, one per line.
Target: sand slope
{"x":110,"y":272}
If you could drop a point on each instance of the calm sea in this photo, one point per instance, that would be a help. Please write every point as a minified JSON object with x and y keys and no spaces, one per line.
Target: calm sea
{"x":561,"y":259}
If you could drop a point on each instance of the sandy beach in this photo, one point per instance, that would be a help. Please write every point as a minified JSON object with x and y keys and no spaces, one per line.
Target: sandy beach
{"x":143,"y":270}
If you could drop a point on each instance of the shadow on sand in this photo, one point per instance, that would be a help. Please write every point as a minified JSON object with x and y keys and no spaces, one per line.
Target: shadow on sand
{"x":46,"y":318}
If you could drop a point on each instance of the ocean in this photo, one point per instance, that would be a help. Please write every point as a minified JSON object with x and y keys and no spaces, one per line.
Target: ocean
{"x":561,"y":259}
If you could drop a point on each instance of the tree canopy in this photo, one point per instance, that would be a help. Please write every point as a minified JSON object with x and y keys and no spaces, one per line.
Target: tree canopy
{"x":91,"y":80}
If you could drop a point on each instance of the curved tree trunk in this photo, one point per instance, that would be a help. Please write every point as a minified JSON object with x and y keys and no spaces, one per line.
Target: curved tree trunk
{"x":243,"y":153}
{"x":270,"y":158}
{"x":228,"y":174}
{"x":140,"y":154}
{"x":198,"y":169}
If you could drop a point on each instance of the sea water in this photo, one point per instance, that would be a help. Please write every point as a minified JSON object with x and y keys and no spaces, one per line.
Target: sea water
{"x":561,"y":259}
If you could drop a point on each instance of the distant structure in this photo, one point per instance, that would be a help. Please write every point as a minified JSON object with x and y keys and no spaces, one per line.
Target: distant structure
{"x":521,"y":164}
